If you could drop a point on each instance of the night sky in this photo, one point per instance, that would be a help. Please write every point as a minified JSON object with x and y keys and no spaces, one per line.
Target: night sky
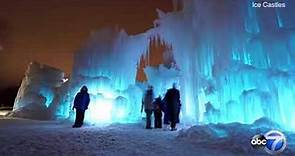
{"x":49,"y":31}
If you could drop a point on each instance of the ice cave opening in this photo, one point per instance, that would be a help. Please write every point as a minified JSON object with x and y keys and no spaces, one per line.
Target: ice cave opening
{"x":233,"y":65}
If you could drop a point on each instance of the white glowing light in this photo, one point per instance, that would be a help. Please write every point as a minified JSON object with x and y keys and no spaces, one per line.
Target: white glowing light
{"x":100,"y":111}
{"x":65,"y":80}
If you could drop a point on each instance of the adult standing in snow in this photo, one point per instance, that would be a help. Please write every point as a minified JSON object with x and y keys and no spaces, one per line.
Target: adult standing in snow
{"x":147,"y":104}
{"x":172,"y":99}
{"x":166,"y":113}
{"x":81,"y":103}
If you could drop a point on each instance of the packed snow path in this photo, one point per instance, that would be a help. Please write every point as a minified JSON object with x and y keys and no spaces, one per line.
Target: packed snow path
{"x":27,"y":137}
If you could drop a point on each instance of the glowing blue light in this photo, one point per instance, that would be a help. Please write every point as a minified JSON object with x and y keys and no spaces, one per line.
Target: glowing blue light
{"x":48,"y":94}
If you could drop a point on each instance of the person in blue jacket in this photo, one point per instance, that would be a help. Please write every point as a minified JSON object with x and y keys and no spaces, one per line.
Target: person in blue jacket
{"x":81,"y":103}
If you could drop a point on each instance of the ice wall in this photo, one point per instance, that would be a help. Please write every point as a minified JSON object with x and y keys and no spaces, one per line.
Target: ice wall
{"x":107,"y":65}
{"x":111,"y":53}
{"x":161,"y":78}
{"x":237,"y":62}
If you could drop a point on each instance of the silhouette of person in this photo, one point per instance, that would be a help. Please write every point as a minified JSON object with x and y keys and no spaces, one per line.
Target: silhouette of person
{"x":172,"y":99}
{"x":81,"y":103}
{"x":158,"y":108}
{"x":147,"y":104}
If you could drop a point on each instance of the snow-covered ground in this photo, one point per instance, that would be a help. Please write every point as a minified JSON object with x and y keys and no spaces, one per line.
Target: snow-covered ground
{"x":29,"y":137}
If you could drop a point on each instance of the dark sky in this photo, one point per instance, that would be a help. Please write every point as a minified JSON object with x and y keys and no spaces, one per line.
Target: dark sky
{"x":49,"y":31}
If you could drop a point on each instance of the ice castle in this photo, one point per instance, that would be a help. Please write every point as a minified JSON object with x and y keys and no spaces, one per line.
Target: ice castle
{"x":235,"y":63}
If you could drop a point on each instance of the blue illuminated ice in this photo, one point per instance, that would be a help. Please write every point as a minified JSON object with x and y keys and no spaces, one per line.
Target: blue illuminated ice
{"x":235,"y":63}
{"x":162,"y":78}
{"x":107,"y":65}
{"x":37,"y":91}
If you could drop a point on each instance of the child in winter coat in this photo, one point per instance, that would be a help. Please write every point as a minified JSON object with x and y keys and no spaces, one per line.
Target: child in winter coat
{"x":158,"y":104}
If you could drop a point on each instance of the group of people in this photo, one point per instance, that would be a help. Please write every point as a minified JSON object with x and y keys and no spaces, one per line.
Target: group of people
{"x":170,"y":106}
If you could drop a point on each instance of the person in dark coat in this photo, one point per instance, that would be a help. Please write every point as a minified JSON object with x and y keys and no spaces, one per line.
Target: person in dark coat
{"x":81,"y":103}
{"x":166,"y":114}
{"x":158,"y":107}
{"x":147,"y":104}
{"x":172,"y":99}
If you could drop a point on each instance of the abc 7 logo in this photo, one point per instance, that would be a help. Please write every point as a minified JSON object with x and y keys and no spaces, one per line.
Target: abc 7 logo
{"x":258,"y":141}
{"x":273,"y":142}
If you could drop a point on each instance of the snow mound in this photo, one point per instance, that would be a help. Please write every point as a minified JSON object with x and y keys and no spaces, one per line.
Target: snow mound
{"x":233,"y":137}
{"x":266,"y":123}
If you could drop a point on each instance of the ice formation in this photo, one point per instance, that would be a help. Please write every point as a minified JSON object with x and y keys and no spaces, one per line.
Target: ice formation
{"x":161,"y":78}
{"x":235,"y":63}
{"x":107,"y":65}
{"x":36,"y":94}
